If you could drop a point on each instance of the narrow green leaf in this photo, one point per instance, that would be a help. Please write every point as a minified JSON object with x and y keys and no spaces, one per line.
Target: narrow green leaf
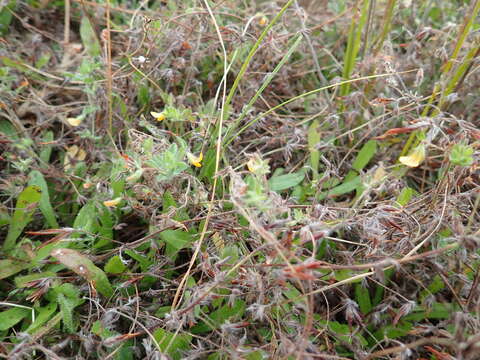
{"x":365,"y":155}
{"x":66,"y":306}
{"x":362,"y":297}
{"x":22,"y":281}
{"x":84,"y":267}
{"x":343,"y":188}
{"x":44,"y":314}
{"x":286,"y":181}
{"x":175,"y":240}
{"x":313,"y":140}
{"x":89,"y":39}
{"x":26,"y":204}
{"x":36,"y":178}
{"x":405,"y":196}
{"x":46,"y":151}
{"x":11,"y":317}
{"x":171,"y":343}
{"x":220,"y":316}
{"x":115,"y":265}
{"x":10,"y":267}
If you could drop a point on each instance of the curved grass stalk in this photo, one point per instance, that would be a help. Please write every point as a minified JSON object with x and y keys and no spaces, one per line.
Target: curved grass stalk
{"x":455,"y":77}
{"x":253,"y":121}
{"x":254,"y":48}
{"x":265,"y":83}
{"x":353,"y":45}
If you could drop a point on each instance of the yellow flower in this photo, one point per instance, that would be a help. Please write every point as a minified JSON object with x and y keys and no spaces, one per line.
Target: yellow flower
{"x":263,"y":21}
{"x":195,"y":160}
{"x":74,"y":153}
{"x":74,"y":121}
{"x":113,"y":202}
{"x":256,"y":165}
{"x":415,"y":158}
{"x":158,"y":116}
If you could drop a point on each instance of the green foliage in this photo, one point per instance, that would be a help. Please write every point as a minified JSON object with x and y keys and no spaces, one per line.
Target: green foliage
{"x":286,"y":181}
{"x":461,"y":155}
{"x":84,"y":267}
{"x":171,"y":343}
{"x":13,"y":316}
{"x":169,"y":163}
{"x":89,"y":39}
{"x":25,"y":206}
{"x":131,"y":229}
{"x":6,"y":16}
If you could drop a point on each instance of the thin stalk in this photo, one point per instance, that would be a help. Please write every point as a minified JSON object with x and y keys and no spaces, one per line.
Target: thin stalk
{"x":455,"y":77}
{"x":253,"y":121}
{"x":387,"y":24}
{"x":353,"y":45}
{"x":265,"y":83}
{"x":254,"y":48}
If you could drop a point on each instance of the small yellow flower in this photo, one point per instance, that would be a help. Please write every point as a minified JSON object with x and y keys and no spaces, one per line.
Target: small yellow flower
{"x":415,"y":158}
{"x":256,"y":165}
{"x":87,"y":185}
{"x":74,"y":121}
{"x":195,"y":160}
{"x":74,"y":153}
{"x":263,"y":21}
{"x":113,"y":202}
{"x":158,"y":116}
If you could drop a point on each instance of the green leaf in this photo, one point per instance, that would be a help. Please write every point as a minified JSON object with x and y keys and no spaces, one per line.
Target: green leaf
{"x":343,"y":188}
{"x":86,"y":218}
{"x":208,"y":168}
{"x":68,"y":297}
{"x":36,"y":178}
{"x":66,"y":307}
{"x":26,"y":204}
{"x":6,"y":16}
{"x":171,"y":343}
{"x":365,"y":155}
{"x":10,"y":267}
{"x":220,"y":316}
{"x":313,"y":140}
{"x":393,"y":332}
{"x":115,"y":265}
{"x":11,"y":317}
{"x":105,"y":230}
{"x":89,"y":40}
{"x":46,"y":151}
{"x":84,"y":267}
{"x":405,"y":196}
{"x":461,"y":155}
{"x":362,"y":297}
{"x":283,"y":182}
{"x":44,"y":314}
{"x":175,"y":240}
{"x":22,"y":281}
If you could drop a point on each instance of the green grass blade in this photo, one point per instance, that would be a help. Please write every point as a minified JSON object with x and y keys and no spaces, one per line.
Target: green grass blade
{"x":254,"y":48}
{"x":26,"y":204}
{"x":353,"y":45}
{"x":265,"y":83}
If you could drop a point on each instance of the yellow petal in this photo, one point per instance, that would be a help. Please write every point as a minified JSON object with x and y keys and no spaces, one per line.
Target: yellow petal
{"x":158,"y":116}
{"x":251,"y":165}
{"x":113,"y":202}
{"x":74,"y":121}
{"x":263,"y":21}
{"x":87,"y":185}
{"x":415,"y":158}
{"x":81,"y":155}
{"x":195,"y":160}
{"x":72,"y":151}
